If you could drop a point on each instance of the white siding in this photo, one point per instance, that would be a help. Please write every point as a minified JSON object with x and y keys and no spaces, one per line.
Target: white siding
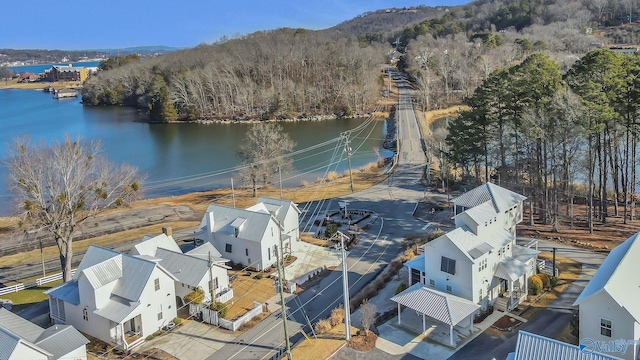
{"x":24,"y":351}
{"x":602,"y":306}
{"x":77,"y":354}
{"x":152,"y":301}
{"x":461,"y":282}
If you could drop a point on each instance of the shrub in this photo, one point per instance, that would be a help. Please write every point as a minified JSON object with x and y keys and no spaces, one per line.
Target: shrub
{"x":178,"y":321}
{"x":258,"y":276}
{"x":322,"y":326}
{"x":331,"y":176}
{"x":337,"y":316}
{"x":194,"y":297}
{"x":304,"y":183}
{"x":402,"y":287}
{"x":535,"y":285}
{"x":331,"y":230}
{"x":219,"y":307}
{"x":554,"y":281}
{"x":546,"y":282}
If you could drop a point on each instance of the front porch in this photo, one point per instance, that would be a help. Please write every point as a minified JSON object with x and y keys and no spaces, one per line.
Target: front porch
{"x":448,"y":315}
{"x":127,"y":335}
{"x":510,"y":280}
{"x":434,"y":330}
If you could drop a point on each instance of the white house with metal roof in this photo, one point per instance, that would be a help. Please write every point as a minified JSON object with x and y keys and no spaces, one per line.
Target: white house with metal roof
{"x":479,"y":260}
{"x":202,"y":267}
{"x":251,"y":236}
{"x":117,"y":298}
{"x":536,"y":347}
{"x":610,"y":303}
{"x":285,"y":211}
{"x":21,"y":339}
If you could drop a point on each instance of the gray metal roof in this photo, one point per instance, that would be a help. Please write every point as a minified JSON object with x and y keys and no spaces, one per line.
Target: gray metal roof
{"x":482,"y":213}
{"x":149,"y":245}
{"x":60,"y":340}
{"x":117,"y":309}
{"x":204,"y":250}
{"x":67,"y":292}
{"x":446,"y":308}
{"x":523,"y":254}
{"x":253,"y":229}
{"x":618,"y":277}
{"x":135,"y":276}
{"x":501,"y":198}
{"x":510,"y":269}
{"x":480,"y":250}
{"x":105,"y":272}
{"x":23,"y":328}
{"x":188,"y":269}
{"x":94,"y":255}
{"x":416,"y":263}
{"x":536,"y":347}
{"x":54,"y":342}
{"x":282,"y":207}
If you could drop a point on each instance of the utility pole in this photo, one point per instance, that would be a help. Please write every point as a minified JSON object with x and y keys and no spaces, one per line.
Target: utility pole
{"x":347,"y":149}
{"x":553,"y":271}
{"x":345,"y":286}
{"x":280,"y":174}
{"x":211,"y":287}
{"x":281,"y":280}
{"x":233,"y":194}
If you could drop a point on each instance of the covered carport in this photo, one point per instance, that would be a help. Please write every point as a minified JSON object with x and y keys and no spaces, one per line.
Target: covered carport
{"x":445,"y":308}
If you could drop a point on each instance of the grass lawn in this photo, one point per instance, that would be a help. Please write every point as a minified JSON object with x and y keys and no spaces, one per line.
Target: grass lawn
{"x":323,"y":346}
{"x":246,"y":290}
{"x":28,"y":297}
{"x":569,"y":271}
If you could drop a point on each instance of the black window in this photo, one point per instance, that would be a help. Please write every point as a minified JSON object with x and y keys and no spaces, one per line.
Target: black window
{"x":246,"y":252}
{"x":228,"y":248}
{"x":448,"y":265}
{"x":415,"y":276}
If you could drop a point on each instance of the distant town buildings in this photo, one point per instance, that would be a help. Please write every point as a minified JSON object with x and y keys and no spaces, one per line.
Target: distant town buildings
{"x":66,"y":73}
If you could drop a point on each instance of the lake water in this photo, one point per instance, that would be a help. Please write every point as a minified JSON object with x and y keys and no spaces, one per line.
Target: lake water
{"x":177,"y":158}
{"x":40,"y":68}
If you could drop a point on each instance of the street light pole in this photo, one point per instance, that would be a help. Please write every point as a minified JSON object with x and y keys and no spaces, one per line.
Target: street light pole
{"x":347,"y":149}
{"x":280,"y":262}
{"x":345,"y":286}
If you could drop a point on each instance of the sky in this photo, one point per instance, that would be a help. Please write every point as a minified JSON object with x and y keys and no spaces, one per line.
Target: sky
{"x":115,"y":24}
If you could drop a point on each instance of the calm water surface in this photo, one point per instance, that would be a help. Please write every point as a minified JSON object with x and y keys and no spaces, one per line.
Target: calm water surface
{"x":176,"y":158}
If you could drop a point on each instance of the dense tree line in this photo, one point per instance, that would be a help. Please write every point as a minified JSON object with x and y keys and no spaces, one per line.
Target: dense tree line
{"x":530,"y":127}
{"x":276,"y":74}
{"x":46,"y":56}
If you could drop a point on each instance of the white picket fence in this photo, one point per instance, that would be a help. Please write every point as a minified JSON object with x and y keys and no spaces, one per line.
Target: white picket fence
{"x":211,"y":317}
{"x":39,"y":282}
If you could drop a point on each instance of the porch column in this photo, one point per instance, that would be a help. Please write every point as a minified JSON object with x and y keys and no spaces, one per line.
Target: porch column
{"x":510,"y":295}
{"x":451,"y":335}
{"x":409,"y":279}
{"x":124,"y":340}
{"x":470,"y":326}
{"x":399,"y":315}
{"x":424,"y":324}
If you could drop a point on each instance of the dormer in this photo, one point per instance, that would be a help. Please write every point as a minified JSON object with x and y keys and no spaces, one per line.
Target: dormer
{"x":236,"y":225}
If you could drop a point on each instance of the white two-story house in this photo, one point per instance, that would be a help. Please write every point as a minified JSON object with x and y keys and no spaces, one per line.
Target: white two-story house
{"x":251,"y":236}
{"x":478,"y":262}
{"x":202,"y":267}
{"x":610,"y":303}
{"x":117,"y":298}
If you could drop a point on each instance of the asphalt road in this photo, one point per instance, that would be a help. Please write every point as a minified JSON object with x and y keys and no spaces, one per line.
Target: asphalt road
{"x":548,"y":322}
{"x":394,"y":200}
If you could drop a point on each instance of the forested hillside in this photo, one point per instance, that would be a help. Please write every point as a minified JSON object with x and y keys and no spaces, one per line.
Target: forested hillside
{"x":266,"y":75}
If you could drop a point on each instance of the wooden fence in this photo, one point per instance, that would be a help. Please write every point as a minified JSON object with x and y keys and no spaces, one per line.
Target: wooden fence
{"x":39,"y":282}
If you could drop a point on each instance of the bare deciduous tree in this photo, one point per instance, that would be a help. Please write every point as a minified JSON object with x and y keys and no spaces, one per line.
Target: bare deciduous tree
{"x":58,"y":187}
{"x":368,"y":311}
{"x":264,"y":152}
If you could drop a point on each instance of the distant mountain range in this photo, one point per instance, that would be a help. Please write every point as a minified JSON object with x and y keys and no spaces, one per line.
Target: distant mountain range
{"x":153,"y":49}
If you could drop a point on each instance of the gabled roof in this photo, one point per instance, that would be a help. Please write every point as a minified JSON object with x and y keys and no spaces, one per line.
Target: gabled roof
{"x":117,"y":309}
{"x":446,"y":308}
{"x":188,"y":269}
{"x":60,"y":340}
{"x":204,"y":250}
{"x":223,"y":216}
{"x":618,"y":277}
{"x":54,"y":342}
{"x":472,"y":245}
{"x":279,"y":206}
{"x":536,"y":347}
{"x":501,"y":198}
{"x":149,"y":245}
{"x":102,"y":266}
{"x":482,"y":213}
{"x":510,"y":269}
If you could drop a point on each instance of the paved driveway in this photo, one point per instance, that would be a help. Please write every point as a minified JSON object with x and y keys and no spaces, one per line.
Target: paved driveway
{"x":193,"y":340}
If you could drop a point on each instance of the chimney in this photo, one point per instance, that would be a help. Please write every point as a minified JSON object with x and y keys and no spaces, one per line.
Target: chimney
{"x":167,"y":230}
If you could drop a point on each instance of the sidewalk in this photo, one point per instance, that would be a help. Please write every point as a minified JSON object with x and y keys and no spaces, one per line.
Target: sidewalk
{"x":397,"y":340}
